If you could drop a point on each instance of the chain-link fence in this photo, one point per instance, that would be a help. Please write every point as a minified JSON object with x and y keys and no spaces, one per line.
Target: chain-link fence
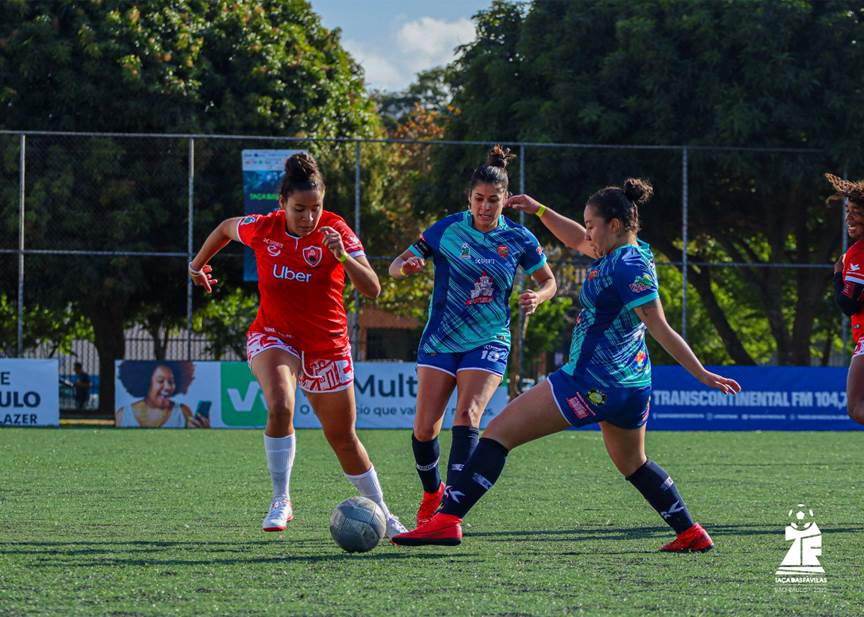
{"x":98,"y":229}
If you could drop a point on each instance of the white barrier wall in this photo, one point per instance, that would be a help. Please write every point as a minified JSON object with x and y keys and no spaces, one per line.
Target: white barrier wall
{"x":29,"y":392}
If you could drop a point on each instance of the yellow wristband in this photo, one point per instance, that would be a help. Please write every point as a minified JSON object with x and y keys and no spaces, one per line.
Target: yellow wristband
{"x":541,"y":210}
{"x":343,"y":257}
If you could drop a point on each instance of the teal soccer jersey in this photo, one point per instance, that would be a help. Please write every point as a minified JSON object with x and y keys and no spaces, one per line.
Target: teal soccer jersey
{"x":609,"y":339}
{"x":474,"y":272}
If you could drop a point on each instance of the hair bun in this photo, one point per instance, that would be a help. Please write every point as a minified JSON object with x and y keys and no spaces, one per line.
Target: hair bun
{"x":499,"y":157}
{"x":638,"y":191}
{"x":300,"y":167}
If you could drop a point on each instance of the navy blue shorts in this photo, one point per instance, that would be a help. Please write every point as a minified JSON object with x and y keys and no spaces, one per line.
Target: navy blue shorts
{"x":491,"y":358}
{"x":582,"y":401}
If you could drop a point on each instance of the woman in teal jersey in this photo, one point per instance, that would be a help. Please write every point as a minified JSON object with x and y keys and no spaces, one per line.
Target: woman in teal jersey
{"x":607,"y":378}
{"x":467,"y":339}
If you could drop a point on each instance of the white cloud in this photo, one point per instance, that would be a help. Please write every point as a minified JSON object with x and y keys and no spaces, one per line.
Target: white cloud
{"x":392,"y":62}
{"x":428,"y":42}
{"x":380,"y":71}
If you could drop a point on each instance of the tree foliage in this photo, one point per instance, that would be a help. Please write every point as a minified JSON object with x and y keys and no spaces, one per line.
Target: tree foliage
{"x":238,"y":66}
{"x":699,"y":73}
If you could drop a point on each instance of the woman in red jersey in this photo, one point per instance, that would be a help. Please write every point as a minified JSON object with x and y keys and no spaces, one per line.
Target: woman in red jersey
{"x":849,"y":285}
{"x":300,"y":334}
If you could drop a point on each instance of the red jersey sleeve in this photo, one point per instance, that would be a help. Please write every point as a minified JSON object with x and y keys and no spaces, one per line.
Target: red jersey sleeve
{"x":248,"y":228}
{"x":352,"y":243}
{"x":853,"y":265}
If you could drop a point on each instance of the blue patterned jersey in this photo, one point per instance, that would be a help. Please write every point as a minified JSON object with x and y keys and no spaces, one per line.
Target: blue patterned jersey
{"x":608,"y":341}
{"x":474,"y":271}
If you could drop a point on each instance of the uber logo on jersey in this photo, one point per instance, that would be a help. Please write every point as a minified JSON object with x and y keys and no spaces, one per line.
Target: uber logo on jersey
{"x":284,"y":272}
{"x":313,"y":255}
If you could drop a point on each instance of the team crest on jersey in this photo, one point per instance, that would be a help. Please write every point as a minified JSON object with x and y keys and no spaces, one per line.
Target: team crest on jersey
{"x":539,"y":250}
{"x":503,"y":251}
{"x":312,"y":255}
{"x":482,"y":292}
{"x":640,"y":358}
{"x":465,"y":252}
{"x":247,"y":220}
{"x":641,"y":283}
{"x":597,"y":397}
{"x":593,"y":274}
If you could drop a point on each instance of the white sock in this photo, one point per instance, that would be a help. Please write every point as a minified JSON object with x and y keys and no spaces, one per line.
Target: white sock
{"x":368,"y":486}
{"x":280,"y":459}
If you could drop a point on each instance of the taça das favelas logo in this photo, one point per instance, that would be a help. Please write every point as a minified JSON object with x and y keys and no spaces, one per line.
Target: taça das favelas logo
{"x":801,"y":567}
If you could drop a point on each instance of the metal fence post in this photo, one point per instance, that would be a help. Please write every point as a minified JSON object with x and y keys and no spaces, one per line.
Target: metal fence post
{"x":189,"y":246}
{"x":21,"y":178}
{"x":522,"y":279}
{"x":684,"y":209}
{"x":355,"y":325}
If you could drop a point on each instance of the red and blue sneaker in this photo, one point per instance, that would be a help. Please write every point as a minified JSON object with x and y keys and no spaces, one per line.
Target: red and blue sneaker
{"x":693,"y":540}
{"x":428,"y":505}
{"x":441,"y":530}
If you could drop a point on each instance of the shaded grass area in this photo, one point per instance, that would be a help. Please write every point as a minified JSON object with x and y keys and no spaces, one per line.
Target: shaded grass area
{"x":100,"y":521}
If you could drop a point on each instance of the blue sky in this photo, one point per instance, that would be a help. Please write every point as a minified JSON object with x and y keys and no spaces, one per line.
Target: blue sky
{"x":393,"y":39}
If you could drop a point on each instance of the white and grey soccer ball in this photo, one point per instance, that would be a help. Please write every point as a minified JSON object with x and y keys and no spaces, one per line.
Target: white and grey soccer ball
{"x":801,"y":517}
{"x":358,"y":524}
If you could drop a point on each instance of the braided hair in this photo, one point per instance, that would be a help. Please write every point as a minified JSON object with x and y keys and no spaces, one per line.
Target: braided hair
{"x":845,"y":189}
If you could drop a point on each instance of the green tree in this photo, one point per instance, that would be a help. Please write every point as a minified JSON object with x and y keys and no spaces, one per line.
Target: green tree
{"x":699,"y":73}
{"x":238,"y":66}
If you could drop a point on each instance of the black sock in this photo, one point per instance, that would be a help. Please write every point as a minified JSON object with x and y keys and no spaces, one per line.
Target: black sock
{"x":465,"y":439}
{"x":658,"y":488}
{"x":478,"y":476}
{"x":426,"y":454}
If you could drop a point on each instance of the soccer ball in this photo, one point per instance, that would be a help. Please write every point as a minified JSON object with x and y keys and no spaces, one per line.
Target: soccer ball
{"x":357,"y":524}
{"x":801,"y":516}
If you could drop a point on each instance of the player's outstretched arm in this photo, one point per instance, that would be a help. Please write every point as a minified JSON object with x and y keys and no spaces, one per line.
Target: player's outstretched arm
{"x":405,"y":264}
{"x":199,"y":268}
{"x":359,"y":271}
{"x":654,"y":318}
{"x":568,"y":231}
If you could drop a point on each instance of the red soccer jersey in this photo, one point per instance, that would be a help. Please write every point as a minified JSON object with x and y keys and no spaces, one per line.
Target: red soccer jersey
{"x":853,"y":273}
{"x":300,"y":281}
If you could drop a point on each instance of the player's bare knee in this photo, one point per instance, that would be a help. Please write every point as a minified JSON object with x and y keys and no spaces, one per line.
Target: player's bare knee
{"x":856,"y":412}
{"x":425,"y":433}
{"x":467,"y":417}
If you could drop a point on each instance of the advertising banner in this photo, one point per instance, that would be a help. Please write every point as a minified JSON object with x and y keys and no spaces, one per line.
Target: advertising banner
{"x":165,"y":394}
{"x":29,"y":392}
{"x":262,"y":176}
{"x":774,"y":398}
{"x":226,"y":395}
{"x":386,"y":395}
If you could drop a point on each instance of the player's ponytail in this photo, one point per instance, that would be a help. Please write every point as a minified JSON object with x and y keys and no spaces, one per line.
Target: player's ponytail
{"x":614,"y":202}
{"x":845,"y":189}
{"x":494,"y":170}
{"x":301,"y":174}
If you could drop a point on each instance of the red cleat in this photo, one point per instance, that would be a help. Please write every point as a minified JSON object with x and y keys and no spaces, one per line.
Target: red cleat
{"x":430,"y":503}
{"x":442,"y":530}
{"x":695,"y":539}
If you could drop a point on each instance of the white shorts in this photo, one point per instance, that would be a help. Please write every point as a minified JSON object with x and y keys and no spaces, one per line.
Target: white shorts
{"x":320,"y":374}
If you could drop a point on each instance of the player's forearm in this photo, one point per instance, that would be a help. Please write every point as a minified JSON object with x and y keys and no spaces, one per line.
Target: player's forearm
{"x":363,"y":277}
{"x":215,"y":242}
{"x":395,"y":269}
{"x":547,"y":290}
{"x":677,"y":347}
{"x":568,"y":231}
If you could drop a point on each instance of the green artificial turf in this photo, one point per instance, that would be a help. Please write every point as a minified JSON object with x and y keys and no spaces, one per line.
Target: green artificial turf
{"x":133,"y":522}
